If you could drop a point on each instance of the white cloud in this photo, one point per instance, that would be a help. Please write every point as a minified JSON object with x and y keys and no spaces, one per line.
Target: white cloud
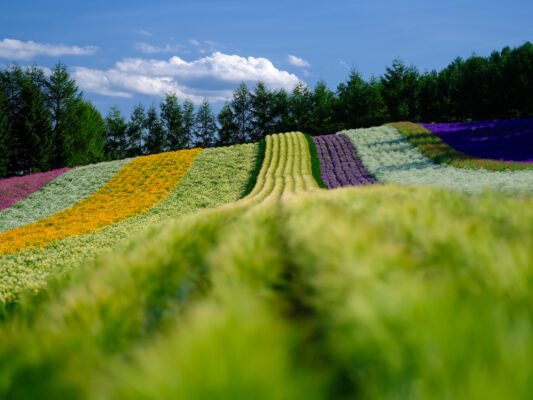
{"x":18,"y":50}
{"x":149,"y":49}
{"x":195,"y":42}
{"x":144,"y":33}
{"x":214,"y":76}
{"x":341,"y":62}
{"x":297,"y":61}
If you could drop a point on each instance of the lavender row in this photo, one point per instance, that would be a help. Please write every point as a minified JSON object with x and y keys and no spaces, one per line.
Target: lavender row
{"x":506,"y":140}
{"x":339,"y":162}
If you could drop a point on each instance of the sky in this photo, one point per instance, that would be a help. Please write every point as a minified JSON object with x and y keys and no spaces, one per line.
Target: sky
{"x":122,"y":53}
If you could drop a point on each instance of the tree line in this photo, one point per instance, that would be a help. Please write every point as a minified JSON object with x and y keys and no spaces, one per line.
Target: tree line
{"x":45,"y":123}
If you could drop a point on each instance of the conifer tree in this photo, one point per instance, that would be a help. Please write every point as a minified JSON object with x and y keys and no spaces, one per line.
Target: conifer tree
{"x":241,"y":106}
{"x":36,"y":137}
{"x":62,"y":93}
{"x":188,"y":123}
{"x":205,"y":125}
{"x":154,"y":141}
{"x":228,"y":129}
{"x":172,"y":120}
{"x":116,"y":144}
{"x":135,"y":131}
{"x":85,"y":134}
{"x":263,"y":112}
{"x":5,"y":137}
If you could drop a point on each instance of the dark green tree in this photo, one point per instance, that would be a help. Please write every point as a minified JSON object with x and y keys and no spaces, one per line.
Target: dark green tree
{"x":228,"y":130}
{"x":300,"y":106}
{"x":36,"y":137}
{"x":135,"y":131}
{"x":400,"y":91}
{"x":62,"y":93}
{"x":172,"y":119}
{"x":155,"y":139}
{"x":205,"y":127}
{"x":85,"y":134}
{"x":322,"y":117}
{"x":241,"y":106}
{"x":188,"y":123}
{"x":263,"y":117}
{"x":5,"y":137}
{"x":116,"y":143}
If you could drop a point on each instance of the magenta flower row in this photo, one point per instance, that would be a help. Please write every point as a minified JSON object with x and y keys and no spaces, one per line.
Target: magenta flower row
{"x":339,"y":162}
{"x":19,"y":187}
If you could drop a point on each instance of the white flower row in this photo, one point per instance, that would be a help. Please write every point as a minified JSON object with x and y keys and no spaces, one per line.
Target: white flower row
{"x":59,"y":194}
{"x":391,"y":158}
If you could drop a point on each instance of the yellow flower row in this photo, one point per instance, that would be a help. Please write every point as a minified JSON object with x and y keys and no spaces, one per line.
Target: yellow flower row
{"x":135,"y":188}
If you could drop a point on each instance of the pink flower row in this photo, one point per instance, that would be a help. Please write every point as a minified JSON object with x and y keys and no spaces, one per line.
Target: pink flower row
{"x":19,"y":187}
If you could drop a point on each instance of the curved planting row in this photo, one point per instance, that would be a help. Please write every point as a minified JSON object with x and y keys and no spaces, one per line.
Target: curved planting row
{"x":505,"y":140}
{"x":390,"y":157}
{"x":19,"y":187}
{"x":217,"y":176}
{"x":135,"y":188}
{"x":286,"y":168}
{"x":316,"y":299}
{"x":340,"y":165}
{"x":448,"y":151}
{"x":59,"y":194}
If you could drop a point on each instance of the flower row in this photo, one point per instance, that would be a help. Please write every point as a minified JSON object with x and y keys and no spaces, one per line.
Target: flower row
{"x":59,"y":194}
{"x":18,"y":187}
{"x":444,"y":152}
{"x":135,"y":188}
{"x":339,"y":163}
{"x":390,"y":157}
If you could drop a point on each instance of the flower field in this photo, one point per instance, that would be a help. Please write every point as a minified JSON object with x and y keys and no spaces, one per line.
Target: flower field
{"x":59,"y":194}
{"x":17,"y":188}
{"x":390,"y":157}
{"x":339,"y":162}
{"x":136,"y":187}
{"x":460,"y":149}
{"x":506,"y":140}
{"x":287,"y":291}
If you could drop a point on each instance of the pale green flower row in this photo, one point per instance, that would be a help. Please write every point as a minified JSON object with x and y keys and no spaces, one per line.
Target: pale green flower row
{"x":217,"y":176}
{"x":59,"y":194}
{"x":389,"y":156}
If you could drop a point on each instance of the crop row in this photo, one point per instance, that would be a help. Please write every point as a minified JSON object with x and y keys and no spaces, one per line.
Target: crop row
{"x":217,"y":176}
{"x":390,"y":157}
{"x":19,"y":187}
{"x":279,"y":302}
{"x":434,"y":148}
{"x":340,"y":165}
{"x":135,"y":188}
{"x":286,"y":168}
{"x":59,"y":194}
{"x":506,"y":140}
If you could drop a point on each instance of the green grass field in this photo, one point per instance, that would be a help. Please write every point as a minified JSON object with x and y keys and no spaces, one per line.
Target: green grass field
{"x":293,"y":292}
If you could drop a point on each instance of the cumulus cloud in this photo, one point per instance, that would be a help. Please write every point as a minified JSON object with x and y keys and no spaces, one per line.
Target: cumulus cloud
{"x":18,"y":50}
{"x":214,"y":76}
{"x":149,"y":49}
{"x":297,"y":61}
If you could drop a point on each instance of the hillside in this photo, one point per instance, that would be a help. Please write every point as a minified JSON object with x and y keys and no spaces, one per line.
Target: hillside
{"x":234,"y":272}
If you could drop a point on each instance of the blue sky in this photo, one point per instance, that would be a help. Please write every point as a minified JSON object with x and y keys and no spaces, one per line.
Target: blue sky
{"x":126,"y":52}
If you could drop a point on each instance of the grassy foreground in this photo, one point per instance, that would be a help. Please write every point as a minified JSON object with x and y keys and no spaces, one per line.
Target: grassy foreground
{"x":295,"y":293}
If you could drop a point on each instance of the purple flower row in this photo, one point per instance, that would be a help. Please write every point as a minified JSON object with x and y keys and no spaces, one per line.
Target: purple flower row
{"x":19,"y":187}
{"x":507,"y":140}
{"x":339,"y":163}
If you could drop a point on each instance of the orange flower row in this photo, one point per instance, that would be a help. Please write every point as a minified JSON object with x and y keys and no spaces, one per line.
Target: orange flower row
{"x":135,"y":188}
